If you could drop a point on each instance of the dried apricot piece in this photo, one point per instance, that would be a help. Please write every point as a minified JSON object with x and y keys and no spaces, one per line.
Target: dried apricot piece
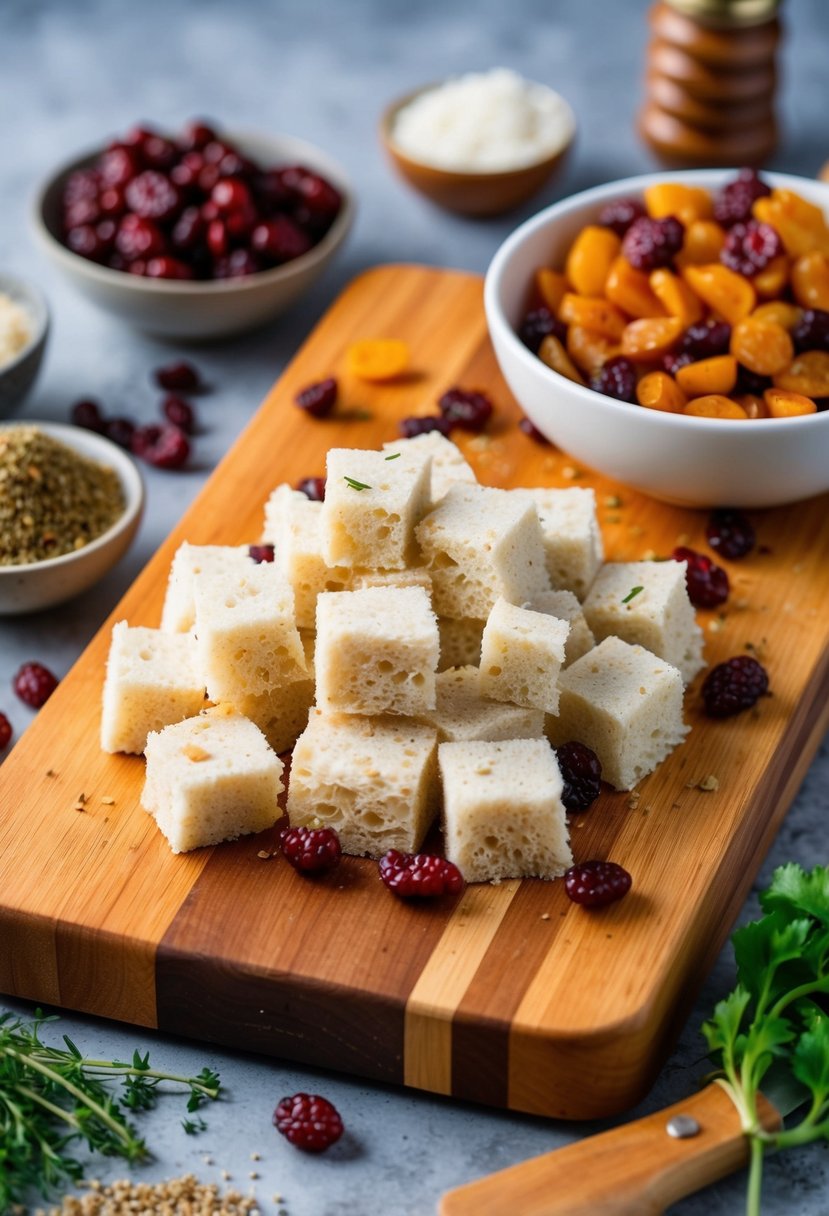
{"x":676,"y":297}
{"x":589,"y":350}
{"x":782,"y":403}
{"x":377,"y":358}
{"x":801,"y":225}
{"x":551,"y":286}
{"x":659,"y":391}
{"x":754,"y":406}
{"x":687,"y":203}
{"x":807,"y":374}
{"x":772,"y":281}
{"x":593,"y":312}
{"x":555,"y":356}
{"x":725,"y":292}
{"x":716,"y":375}
{"x":590,"y":258}
{"x":630,"y":290}
{"x":810,"y":281}
{"x":763,"y":347}
{"x":649,"y":338}
{"x":785,"y":314}
{"x":714,"y":406}
{"x":704,"y":239}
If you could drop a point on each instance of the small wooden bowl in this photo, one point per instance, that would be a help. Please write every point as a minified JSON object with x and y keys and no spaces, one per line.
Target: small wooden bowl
{"x":469,"y":193}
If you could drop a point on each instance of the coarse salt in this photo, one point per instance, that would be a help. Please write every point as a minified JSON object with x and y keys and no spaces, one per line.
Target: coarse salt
{"x":15,"y":329}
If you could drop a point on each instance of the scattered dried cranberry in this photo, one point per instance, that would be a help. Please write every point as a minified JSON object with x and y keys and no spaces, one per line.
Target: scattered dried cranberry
{"x":311,"y":850}
{"x":152,"y":196}
{"x":87,"y":413}
{"x":812,"y":330}
{"x":649,"y":244}
{"x":85,"y":240}
{"x":734,"y":686}
{"x":168,"y":268}
{"x":750,"y":247}
{"x":410,"y":428}
{"x":164,"y":447}
{"x":616,"y":378}
{"x":178,"y":377}
{"x":34,"y":684}
{"x":138,"y":238}
{"x":5,"y":732}
{"x":120,"y":431}
{"x":313,"y":488}
{"x":280,"y":239}
{"x":707,"y":582}
{"x":420,"y":874}
{"x":581,"y":771}
{"x":308,"y":1121}
{"x":318,"y":399}
{"x":180,"y":412}
{"x":465,"y":408}
{"x":705,"y":339}
{"x":733,"y":203}
{"x":620,"y":214}
{"x":531,"y":431}
{"x":730,"y":534}
{"x":674,"y":360}
{"x":537,"y":325}
{"x":751,"y":382}
{"x":261,"y":553}
{"x":596,"y":883}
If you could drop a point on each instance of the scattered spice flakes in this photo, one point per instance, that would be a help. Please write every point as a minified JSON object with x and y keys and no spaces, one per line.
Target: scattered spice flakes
{"x":571,"y":473}
{"x":195,"y":753}
{"x":759,"y":650}
{"x":612,"y":519}
{"x":256,"y":1156}
{"x":481,"y":443}
{"x":265,"y":855}
{"x":636,"y":530}
{"x":717,"y":623}
{"x":545,"y":915}
{"x":707,"y":784}
{"x":633,"y":800}
{"x":612,"y":500}
{"x":108,"y":800}
{"x":81,"y":798}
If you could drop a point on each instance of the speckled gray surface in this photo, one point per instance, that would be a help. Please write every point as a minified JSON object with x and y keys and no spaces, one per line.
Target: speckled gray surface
{"x":70,"y":71}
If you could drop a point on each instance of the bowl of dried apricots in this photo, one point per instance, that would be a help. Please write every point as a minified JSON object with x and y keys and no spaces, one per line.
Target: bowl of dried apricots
{"x":673,"y":333}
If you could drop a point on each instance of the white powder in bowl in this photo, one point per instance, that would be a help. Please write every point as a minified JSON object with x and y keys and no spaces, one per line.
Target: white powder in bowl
{"x":15,"y":329}
{"x":484,"y":122}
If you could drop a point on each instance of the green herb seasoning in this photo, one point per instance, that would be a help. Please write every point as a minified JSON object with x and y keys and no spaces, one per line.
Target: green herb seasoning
{"x":632,"y":594}
{"x":53,"y":500}
{"x":355,"y":484}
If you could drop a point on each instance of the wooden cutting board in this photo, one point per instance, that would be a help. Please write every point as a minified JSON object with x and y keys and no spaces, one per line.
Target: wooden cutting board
{"x":510,"y":995}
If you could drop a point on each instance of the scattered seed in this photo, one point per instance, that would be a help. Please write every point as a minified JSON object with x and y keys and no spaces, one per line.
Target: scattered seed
{"x":571,"y":473}
{"x":108,"y":801}
{"x":545,"y":915}
{"x":264,"y":854}
{"x":612,"y":500}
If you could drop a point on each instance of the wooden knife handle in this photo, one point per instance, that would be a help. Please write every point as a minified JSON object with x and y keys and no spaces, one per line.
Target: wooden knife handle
{"x":633,"y":1170}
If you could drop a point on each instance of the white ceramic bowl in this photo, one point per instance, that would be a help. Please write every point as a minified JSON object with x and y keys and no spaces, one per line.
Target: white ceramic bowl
{"x":698,"y":462}
{"x":18,"y":375}
{"x":196,"y":310}
{"x":43,"y":584}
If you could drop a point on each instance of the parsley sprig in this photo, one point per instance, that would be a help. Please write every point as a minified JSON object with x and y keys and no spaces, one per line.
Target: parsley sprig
{"x":52,"y":1098}
{"x":777,"y":1014}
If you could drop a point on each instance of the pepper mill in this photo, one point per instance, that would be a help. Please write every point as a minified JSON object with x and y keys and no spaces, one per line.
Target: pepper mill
{"x":711,"y":81}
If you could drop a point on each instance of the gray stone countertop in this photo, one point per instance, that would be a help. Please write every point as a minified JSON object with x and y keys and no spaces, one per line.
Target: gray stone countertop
{"x":73,"y":70}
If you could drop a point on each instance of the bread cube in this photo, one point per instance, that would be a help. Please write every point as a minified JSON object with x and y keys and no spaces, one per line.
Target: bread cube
{"x":503,"y":814}
{"x":280,"y":512}
{"x":281,"y":714}
{"x":415,"y":576}
{"x":480,"y":543}
{"x":298,"y":555}
{"x":647,"y":604}
{"x":521,"y":655}
{"x":626,"y":704}
{"x":376,"y":651}
{"x":374,"y":779}
{"x":572,"y":538}
{"x":448,"y":464}
{"x":372,"y":502}
{"x":463,"y":712}
{"x":565,"y":606}
{"x":247,"y":637}
{"x":152,"y":680}
{"x":179,"y":611}
{"x":211,"y":778}
{"x":460,"y":642}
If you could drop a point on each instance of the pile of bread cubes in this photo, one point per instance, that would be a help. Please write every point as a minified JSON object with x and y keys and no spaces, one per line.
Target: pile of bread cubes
{"x":422,"y":642}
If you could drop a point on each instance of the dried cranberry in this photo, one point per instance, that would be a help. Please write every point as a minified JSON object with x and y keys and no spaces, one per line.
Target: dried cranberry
{"x":616,"y":378}
{"x":538,"y":324}
{"x":137,"y":136}
{"x":271,"y":190}
{"x":34,"y":684}
{"x":812,"y":330}
{"x":120,"y":431}
{"x":158,"y":152}
{"x":280,"y":239}
{"x":112,"y":202}
{"x":229,"y":194}
{"x":87,"y":413}
{"x":83,"y":183}
{"x":674,"y":360}
{"x":308,"y":1121}
{"x":164,"y":447}
{"x":5,"y":732}
{"x":730,"y":534}
{"x":237,"y":265}
{"x":320,"y":198}
{"x":734,"y":201}
{"x":313,"y":488}
{"x":241,"y":222}
{"x":422,"y":424}
{"x":318,"y":399}
{"x":168,"y":268}
{"x":84,"y":211}
{"x":311,"y":850}
{"x":419,"y":875}
{"x":261,"y":553}
{"x":649,"y":244}
{"x":189,"y":229}
{"x":620,"y":214}
{"x":85,"y":241}
{"x":218,"y":239}
{"x":705,"y":339}
{"x":734,"y":686}
{"x":197,"y":134}
{"x":750,"y":247}
{"x":581,"y":771}
{"x":178,"y":377}
{"x":138,"y":238}
{"x":596,"y":883}
{"x":531,"y":431}
{"x":179,"y":412}
{"x":152,"y":196}
{"x":751,"y":382}
{"x":465,"y":408}
{"x":119,"y":165}
{"x":706,"y":581}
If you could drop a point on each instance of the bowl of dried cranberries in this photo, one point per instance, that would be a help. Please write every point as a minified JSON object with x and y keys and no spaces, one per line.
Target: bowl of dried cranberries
{"x":673,"y":333}
{"x":196,"y":234}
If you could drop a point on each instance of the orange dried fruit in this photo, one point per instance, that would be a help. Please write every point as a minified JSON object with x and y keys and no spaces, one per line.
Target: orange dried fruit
{"x":676,"y":297}
{"x":707,"y":376}
{"x":555,"y":356}
{"x":377,"y":358}
{"x":703,"y":242}
{"x":630,"y":290}
{"x":725,"y":292}
{"x":772,"y":281}
{"x":593,"y":312}
{"x":551,"y":286}
{"x":650,"y":337}
{"x":810,"y":280}
{"x":807,"y":374}
{"x":659,"y":391}
{"x":754,"y":406}
{"x":801,"y":225}
{"x":785,"y":314}
{"x":590,"y":258}
{"x":687,"y":203}
{"x":782,"y":403}
{"x":588,"y":349}
{"x":715,"y":406}
{"x":764,"y":347}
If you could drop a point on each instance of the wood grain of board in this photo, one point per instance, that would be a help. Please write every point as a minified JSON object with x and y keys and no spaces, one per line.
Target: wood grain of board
{"x":510,"y":993}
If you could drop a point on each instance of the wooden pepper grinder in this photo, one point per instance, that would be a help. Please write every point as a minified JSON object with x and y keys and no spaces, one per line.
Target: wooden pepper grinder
{"x":711,"y":81}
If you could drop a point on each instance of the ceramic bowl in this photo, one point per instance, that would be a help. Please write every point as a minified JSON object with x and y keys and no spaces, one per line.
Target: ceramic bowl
{"x":490,"y":193}
{"x":43,"y":584}
{"x":198,"y":310}
{"x":18,"y":376}
{"x":697,"y":462}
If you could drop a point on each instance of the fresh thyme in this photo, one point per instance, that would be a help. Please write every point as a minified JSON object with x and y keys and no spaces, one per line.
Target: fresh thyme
{"x":356,"y":485}
{"x":394,"y":456}
{"x":634,"y":591}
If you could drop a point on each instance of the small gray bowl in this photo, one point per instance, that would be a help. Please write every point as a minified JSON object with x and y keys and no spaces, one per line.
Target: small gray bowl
{"x":18,"y":376}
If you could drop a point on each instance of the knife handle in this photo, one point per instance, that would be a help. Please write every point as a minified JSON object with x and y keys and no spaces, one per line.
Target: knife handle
{"x":637,"y":1169}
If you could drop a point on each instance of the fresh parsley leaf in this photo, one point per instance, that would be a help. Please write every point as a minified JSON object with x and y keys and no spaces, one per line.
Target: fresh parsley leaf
{"x":632,"y":594}
{"x":356,"y":485}
{"x":194,"y":1126}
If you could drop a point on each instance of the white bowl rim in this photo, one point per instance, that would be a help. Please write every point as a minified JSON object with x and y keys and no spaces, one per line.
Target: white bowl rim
{"x":41,"y":319}
{"x":628,"y":185}
{"x":131,"y":480}
{"x":201,"y":288}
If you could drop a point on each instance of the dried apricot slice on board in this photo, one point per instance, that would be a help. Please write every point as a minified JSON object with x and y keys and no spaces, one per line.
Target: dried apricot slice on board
{"x":378,"y":358}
